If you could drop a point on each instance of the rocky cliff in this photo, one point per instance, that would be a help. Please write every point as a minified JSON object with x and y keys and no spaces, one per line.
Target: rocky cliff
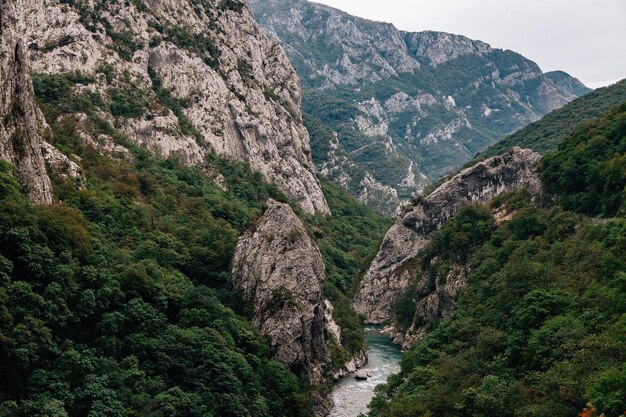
{"x":280,"y":271}
{"x":21,"y":123}
{"x":407,"y":107}
{"x":396,"y":262}
{"x":181,"y":77}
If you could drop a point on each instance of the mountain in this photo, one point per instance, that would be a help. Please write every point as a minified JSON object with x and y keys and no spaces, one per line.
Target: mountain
{"x":406,"y":108}
{"x":139,"y":141}
{"x":546,"y":134}
{"x":567,"y":84}
{"x":178,"y":77}
{"x":286,"y":292}
{"x":516,"y":306}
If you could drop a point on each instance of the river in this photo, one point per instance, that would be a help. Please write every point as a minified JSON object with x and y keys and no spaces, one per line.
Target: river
{"x":351,"y":396}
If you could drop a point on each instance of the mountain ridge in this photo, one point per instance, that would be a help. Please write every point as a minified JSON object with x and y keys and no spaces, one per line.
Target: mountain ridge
{"x":407,"y":107}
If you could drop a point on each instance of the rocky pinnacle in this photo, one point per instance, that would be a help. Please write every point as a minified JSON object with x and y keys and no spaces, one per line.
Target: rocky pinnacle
{"x":21,"y":122}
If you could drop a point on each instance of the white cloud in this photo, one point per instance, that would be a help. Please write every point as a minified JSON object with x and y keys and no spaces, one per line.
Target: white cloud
{"x":586,"y":38}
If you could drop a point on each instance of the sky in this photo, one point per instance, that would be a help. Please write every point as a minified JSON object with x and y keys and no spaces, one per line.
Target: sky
{"x":585,"y":38}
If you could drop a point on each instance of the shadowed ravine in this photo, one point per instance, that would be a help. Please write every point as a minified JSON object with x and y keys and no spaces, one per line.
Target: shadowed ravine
{"x":351,"y":396}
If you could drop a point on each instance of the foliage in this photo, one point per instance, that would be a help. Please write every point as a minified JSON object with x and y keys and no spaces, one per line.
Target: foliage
{"x":233,"y":5}
{"x":539,"y":330}
{"x":588,"y":171}
{"x":118,"y":301}
{"x":128,"y":102}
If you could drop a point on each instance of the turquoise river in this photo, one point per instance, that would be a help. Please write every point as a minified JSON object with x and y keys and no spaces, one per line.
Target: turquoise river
{"x":351,"y":396}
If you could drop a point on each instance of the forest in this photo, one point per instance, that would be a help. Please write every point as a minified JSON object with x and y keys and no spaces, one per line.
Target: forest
{"x":541,"y":328}
{"x":117,"y":300}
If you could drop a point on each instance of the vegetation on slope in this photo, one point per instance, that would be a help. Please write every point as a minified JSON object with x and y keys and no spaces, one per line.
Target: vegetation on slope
{"x":540,"y":330}
{"x":348,"y":241}
{"x":118,"y":302}
{"x":588,"y":171}
{"x":546,"y":134}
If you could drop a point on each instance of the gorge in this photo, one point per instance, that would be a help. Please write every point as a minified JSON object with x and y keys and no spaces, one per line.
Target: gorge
{"x":221,"y":208}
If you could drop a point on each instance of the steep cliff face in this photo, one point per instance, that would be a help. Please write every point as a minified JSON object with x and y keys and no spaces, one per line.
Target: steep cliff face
{"x":21,"y":122}
{"x":396,"y":262}
{"x":407,"y":107}
{"x":181,"y":77}
{"x":280,"y":271}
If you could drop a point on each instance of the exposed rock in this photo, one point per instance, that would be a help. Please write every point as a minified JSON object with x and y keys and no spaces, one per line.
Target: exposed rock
{"x":280,"y":271}
{"x":62,"y":165}
{"x":358,"y":360}
{"x":566,"y":83}
{"x":337,"y":165}
{"x":21,"y":122}
{"x":426,"y":100}
{"x":361,"y":375}
{"x":231,"y":87}
{"x":396,"y":262}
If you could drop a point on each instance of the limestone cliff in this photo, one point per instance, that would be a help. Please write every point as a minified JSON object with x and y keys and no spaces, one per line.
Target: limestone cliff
{"x":395,"y":264}
{"x":181,"y":77}
{"x":280,"y":271}
{"x":21,"y":122}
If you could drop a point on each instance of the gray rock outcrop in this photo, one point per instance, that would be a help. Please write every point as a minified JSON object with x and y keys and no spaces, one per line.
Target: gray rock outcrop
{"x":21,"y":122}
{"x":280,"y":271}
{"x":396,"y":263}
{"x":183,"y":78}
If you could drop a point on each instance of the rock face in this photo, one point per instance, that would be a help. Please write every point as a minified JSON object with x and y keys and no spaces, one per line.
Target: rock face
{"x":21,"y":123}
{"x":396,"y":262}
{"x":280,"y":271}
{"x":407,"y":107}
{"x":183,"y":78}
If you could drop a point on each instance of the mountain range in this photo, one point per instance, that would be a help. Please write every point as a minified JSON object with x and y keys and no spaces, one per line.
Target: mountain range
{"x":168,"y":247}
{"x":404,"y":108}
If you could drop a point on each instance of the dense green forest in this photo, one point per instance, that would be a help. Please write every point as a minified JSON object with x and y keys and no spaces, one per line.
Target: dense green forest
{"x":540,"y":330}
{"x":117,"y":300}
{"x":546,"y":134}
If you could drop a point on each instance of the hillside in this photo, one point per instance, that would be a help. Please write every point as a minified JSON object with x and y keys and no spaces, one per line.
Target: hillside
{"x":139,"y":141}
{"x":546,"y":134}
{"x":539,"y":328}
{"x":119,"y":301}
{"x":407,"y":108}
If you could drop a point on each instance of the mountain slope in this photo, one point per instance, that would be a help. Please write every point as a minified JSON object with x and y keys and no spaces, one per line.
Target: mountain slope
{"x":546,"y":134}
{"x":181,"y":77}
{"x":392,"y":270}
{"x":407,"y":107}
{"x":119,"y":300}
{"x":539,"y":327}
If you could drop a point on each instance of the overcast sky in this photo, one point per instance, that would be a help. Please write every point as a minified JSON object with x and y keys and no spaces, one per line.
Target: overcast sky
{"x":586,"y":38}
